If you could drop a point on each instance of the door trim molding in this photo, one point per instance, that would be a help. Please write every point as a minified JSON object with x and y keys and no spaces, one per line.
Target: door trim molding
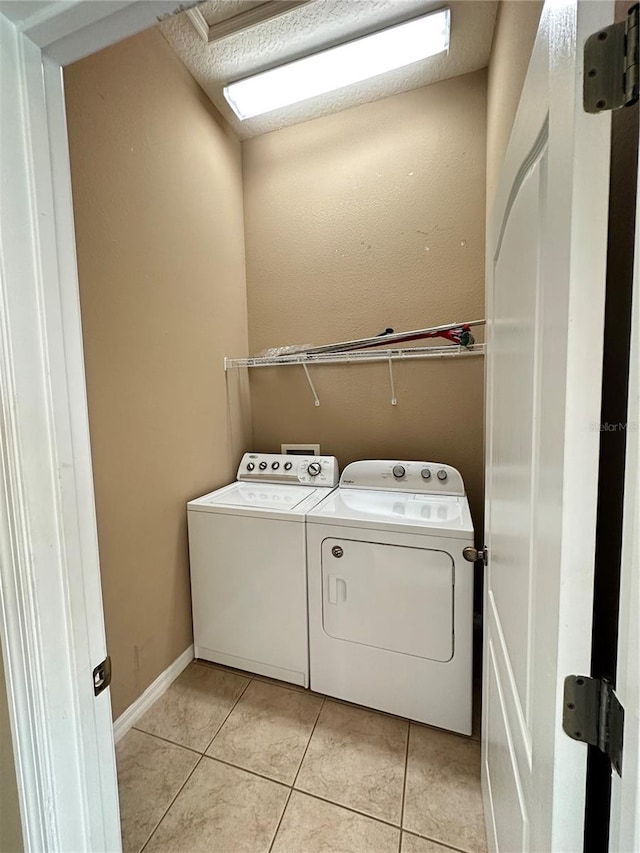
{"x":51,"y":625}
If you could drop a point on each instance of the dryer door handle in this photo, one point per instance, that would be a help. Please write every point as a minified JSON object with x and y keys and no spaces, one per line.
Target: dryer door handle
{"x":337,"y":589}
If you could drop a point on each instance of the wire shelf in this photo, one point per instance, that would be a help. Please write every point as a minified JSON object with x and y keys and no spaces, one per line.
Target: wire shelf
{"x":358,"y":356}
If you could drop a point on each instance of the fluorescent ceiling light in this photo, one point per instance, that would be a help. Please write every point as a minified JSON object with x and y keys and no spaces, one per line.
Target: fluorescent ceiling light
{"x":340,"y":66}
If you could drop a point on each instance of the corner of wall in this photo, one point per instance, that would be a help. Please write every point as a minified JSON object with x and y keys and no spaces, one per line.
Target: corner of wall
{"x":161,"y":262}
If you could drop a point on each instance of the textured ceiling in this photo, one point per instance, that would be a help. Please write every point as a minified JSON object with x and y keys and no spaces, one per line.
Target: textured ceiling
{"x":313,"y":27}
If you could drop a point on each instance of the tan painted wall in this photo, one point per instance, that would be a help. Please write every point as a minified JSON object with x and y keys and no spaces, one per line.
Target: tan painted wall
{"x":10,"y":827}
{"x":369,"y":218}
{"x":159,"y":226}
{"x":515,"y":33}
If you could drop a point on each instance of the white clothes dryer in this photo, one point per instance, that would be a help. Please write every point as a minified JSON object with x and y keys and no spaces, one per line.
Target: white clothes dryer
{"x":390,"y":594}
{"x":247,"y":554}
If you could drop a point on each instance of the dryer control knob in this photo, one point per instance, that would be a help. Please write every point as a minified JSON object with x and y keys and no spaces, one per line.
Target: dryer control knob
{"x":425,"y":474}
{"x":314,"y":469}
{"x":262,"y":466}
{"x":399,"y":471}
{"x":250,"y":466}
{"x":288,"y":466}
{"x":275,"y":465}
{"x":442,"y":475}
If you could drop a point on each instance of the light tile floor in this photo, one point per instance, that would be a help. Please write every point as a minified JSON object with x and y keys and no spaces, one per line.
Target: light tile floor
{"x":227,"y":762}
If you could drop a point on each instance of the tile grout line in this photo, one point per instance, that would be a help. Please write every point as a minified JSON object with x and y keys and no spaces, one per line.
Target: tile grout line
{"x":231,"y":710}
{"x":245,"y":770}
{"x":304,"y":754}
{"x":333,"y":802}
{"x":263,"y":679}
{"x":389,"y":715}
{"x":436,"y":841}
{"x":266,"y":778}
{"x":291,"y":789}
{"x":470,"y":737}
{"x":349,"y":809}
{"x":291,"y":786}
{"x":324,"y":699}
{"x":196,"y":765}
{"x":275,"y":834}
{"x":284,"y":785}
{"x":166,"y":740}
{"x":306,"y":691}
{"x":202,"y":756}
{"x":178,"y":792}
{"x":404,"y":788}
{"x":230,"y":763}
{"x":190,"y":748}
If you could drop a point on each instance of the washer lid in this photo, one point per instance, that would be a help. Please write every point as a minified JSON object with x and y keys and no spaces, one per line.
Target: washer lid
{"x":446,"y":515}
{"x":266,"y":499}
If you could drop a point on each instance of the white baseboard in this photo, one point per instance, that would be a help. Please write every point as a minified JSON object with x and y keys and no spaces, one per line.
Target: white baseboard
{"x":133,"y":713}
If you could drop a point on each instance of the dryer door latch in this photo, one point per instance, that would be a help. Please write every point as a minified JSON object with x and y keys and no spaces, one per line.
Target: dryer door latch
{"x":475,"y":554}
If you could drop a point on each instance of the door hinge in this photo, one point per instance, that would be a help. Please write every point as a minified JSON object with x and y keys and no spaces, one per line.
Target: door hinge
{"x":102,"y":676}
{"x":593,"y":714}
{"x":611,"y":66}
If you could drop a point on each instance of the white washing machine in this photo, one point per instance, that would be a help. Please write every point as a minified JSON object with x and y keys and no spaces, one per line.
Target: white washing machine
{"x":247,"y":554}
{"x":390,"y":594}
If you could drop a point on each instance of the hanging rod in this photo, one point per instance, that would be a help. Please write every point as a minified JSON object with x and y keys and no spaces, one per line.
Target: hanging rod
{"x":356,"y":356}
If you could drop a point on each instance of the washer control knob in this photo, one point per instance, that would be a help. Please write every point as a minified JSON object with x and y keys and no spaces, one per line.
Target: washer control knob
{"x":314,"y":469}
{"x":337,"y":551}
{"x":442,"y":475}
{"x":275,"y":465}
{"x":399,"y":471}
{"x":288,"y":466}
{"x":425,"y":474}
{"x":250,"y":466}
{"x":262,"y":466}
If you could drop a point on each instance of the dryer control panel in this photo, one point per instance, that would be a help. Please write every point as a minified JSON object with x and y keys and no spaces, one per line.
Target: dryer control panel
{"x":283,"y":468}
{"x":431,"y":478}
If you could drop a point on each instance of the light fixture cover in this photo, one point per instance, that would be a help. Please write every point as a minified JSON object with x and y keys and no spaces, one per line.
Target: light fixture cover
{"x":340,"y":66}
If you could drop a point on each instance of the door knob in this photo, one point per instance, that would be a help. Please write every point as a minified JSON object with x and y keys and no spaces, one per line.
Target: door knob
{"x":475,"y":554}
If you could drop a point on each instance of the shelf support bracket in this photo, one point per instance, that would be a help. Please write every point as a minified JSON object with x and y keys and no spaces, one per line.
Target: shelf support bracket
{"x":394,"y":401}
{"x":316,"y":402}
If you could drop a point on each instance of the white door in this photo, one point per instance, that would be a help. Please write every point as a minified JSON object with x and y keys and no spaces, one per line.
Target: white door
{"x":625,"y":807}
{"x":546,"y":256}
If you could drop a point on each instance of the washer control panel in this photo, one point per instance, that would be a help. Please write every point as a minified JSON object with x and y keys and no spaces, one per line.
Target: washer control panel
{"x":433,"y":478}
{"x":283,"y":468}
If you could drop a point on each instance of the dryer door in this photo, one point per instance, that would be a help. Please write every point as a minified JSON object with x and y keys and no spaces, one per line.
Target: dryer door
{"x":389,"y":596}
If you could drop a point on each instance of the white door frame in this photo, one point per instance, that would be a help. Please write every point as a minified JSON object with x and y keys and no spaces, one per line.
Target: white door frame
{"x":625,"y":794}
{"x":51,"y":625}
